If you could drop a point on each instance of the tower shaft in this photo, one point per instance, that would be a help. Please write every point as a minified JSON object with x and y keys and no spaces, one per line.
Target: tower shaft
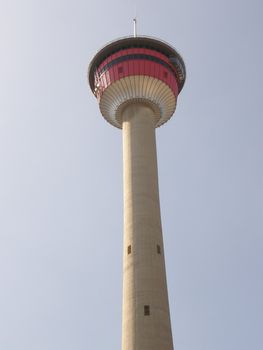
{"x":146,"y":319}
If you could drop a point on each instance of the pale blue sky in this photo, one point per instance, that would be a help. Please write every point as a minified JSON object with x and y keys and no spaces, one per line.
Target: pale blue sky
{"x":61,"y":175}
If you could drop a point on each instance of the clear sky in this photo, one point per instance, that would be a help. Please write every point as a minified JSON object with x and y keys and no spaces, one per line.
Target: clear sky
{"x":61,"y":175}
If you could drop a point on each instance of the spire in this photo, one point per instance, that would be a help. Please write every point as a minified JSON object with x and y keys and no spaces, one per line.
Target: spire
{"x":135,"y":27}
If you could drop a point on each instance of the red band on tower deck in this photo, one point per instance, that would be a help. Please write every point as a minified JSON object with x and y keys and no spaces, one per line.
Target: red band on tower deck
{"x":132,"y":62}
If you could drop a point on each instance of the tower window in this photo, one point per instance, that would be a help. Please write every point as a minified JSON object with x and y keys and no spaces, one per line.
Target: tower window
{"x":165,"y":74}
{"x":120,"y":70}
{"x":158,"y":249}
{"x":146,"y":310}
{"x":129,"y":249}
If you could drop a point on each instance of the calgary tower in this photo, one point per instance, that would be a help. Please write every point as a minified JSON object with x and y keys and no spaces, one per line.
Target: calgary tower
{"x":136,"y":81}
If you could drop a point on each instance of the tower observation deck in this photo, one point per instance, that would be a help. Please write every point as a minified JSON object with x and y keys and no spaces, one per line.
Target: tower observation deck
{"x":136,"y":81}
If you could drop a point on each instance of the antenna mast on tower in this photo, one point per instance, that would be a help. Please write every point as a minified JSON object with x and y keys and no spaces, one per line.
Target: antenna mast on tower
{"x":135,"y":27}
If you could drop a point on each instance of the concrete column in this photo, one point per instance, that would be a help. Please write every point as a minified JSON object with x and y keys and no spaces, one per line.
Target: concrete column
{"x":146,"y":320}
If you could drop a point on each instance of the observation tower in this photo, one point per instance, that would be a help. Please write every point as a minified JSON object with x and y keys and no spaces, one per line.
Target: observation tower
{"x":136,"y":81}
